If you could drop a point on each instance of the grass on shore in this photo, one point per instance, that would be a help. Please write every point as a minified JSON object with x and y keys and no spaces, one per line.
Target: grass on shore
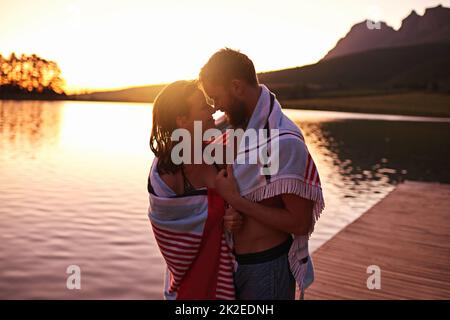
{"x":412,"y":103}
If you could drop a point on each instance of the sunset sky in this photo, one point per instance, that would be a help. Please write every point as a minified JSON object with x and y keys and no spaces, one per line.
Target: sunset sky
{"x":114,"y":44}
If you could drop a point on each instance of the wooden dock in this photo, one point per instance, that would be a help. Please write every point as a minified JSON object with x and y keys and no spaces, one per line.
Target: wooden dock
{"x":407,"y":235}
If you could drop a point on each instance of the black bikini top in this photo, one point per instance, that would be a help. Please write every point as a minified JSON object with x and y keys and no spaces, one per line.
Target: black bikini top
{"x":187,"y":185}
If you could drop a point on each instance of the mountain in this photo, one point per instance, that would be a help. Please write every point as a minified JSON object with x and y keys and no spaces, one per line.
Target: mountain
{"x":433,"y":26}
{"x":407,"y":67}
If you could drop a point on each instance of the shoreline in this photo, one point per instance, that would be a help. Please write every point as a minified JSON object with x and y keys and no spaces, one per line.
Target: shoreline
{"x":409,"y":104}
{"x":416,"y":104}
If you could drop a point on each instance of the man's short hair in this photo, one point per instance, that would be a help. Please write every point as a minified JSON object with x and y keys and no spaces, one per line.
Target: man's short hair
{"x":226,"y":65}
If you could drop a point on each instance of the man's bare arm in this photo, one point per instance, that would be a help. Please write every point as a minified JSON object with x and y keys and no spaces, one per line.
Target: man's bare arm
{"x":294,"y":217}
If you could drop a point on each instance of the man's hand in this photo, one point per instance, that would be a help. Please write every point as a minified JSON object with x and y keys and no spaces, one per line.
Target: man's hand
{"x":226,"y":185}
{"x":232,"y":220}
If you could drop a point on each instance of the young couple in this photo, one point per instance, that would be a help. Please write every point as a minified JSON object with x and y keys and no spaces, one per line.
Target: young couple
{"x":232,"y":231}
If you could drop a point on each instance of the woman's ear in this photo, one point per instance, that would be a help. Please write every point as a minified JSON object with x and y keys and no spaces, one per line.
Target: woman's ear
{"x":181,"y":121}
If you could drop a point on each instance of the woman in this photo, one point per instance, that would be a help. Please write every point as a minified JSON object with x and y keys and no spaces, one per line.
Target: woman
{"x":185,"y":211}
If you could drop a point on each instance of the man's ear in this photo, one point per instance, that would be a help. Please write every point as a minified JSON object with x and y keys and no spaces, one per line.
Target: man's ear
{"x":237,"y":87}
{"x":181,"y":122}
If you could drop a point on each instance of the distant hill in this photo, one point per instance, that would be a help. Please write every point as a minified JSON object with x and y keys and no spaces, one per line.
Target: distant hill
{"x":136,"y":94}
{"x":425,"y":66}
{"x":433,"y":26}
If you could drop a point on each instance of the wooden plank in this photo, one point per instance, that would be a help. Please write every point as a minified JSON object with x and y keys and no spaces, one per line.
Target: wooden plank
{"x":407,"y":234}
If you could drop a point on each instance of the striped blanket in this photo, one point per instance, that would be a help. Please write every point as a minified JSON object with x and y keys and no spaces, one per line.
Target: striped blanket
{"x":190,"y":235}
{"x":297,"y":173}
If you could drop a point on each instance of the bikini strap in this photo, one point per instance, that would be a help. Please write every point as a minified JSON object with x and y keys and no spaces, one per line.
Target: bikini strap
{"x":187,"y":185}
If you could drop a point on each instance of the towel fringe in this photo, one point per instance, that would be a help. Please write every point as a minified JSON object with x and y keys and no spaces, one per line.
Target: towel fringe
{"x":291,"y":186}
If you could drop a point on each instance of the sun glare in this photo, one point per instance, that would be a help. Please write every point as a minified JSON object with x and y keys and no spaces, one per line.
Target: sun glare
{"x":101,"y":45}
{"x":87,"y":125}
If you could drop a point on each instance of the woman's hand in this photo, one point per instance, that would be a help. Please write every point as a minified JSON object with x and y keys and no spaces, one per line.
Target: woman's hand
{"x":226,"y":185}
{"x":232,"y":220}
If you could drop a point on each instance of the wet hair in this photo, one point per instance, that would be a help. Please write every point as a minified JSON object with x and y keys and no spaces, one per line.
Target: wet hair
{"x":170,"y":103}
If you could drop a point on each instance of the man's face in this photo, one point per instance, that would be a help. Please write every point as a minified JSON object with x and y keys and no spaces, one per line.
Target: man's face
{"x":224,"y":100}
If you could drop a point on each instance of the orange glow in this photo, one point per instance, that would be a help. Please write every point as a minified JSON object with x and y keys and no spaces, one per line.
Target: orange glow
{"x":108,"y":44}
{"x":85,"y":128}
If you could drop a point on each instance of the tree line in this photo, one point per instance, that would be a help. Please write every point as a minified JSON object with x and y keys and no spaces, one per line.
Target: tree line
{"x":29,"y":75}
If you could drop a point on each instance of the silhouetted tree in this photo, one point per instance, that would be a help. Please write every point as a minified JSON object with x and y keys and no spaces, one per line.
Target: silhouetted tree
{"x":29,"y":74}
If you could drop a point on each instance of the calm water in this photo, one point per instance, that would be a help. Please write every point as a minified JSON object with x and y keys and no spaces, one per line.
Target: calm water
{"x":73,"y":189}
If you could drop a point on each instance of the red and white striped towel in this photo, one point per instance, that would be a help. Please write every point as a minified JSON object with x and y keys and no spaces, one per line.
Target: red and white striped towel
{"x":190,"y":235}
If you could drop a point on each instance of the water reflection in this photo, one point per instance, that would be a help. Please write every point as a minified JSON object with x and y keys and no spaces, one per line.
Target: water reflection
{"x":360,"y":160}
{"x":73,"y":189}
{"x":110,"y":129}
{"x":28,"y":126}
{"x":373,"y":150}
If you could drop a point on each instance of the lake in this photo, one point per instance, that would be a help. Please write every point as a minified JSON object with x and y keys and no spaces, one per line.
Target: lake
{"x":73,"y":178}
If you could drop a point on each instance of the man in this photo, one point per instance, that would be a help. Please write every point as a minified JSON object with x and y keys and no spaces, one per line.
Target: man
{"x":275,"y":206}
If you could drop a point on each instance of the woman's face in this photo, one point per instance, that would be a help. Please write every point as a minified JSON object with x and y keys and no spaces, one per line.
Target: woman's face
{"x":200,"y":110}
